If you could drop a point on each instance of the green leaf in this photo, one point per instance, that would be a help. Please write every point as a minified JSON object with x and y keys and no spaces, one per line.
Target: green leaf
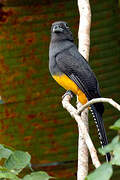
{"x":113,"y":147}
{"x":40,"y":175}
{"x":116,"y":125}
{"x":30,"y":167}
{"x":110,"y":147}
{"x":17,"y":161}
{"x":8,"y":175}
{"x":5,"y":173}
{"x":4,"y":152}
{"x":116,"y":157}
{"x":8,"y":147}
{"x":104,"y":172}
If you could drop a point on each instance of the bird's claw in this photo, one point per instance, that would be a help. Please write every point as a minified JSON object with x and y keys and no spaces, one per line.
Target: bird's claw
{"x":70,"y":93}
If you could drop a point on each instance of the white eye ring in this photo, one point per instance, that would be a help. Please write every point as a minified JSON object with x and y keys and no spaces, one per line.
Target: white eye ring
{"x":67,"y":26}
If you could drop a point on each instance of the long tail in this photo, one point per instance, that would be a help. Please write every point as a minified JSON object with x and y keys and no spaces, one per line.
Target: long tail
{"x":100,"y":127}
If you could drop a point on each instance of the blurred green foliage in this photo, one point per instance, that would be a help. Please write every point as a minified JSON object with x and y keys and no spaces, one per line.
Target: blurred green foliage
{"x":14,"y":162}
{"x":105,"y":171}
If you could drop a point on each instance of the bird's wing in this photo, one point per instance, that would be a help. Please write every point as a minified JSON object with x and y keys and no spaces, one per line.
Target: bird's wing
{"x":77,"y":69}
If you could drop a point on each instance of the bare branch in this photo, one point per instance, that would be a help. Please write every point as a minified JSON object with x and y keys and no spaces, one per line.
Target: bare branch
{"x":84,"y":28}
{"x":97,"y":100}
{"x":82,"y":170}
{"x":83,"y":48}
{"x":82,"y":130}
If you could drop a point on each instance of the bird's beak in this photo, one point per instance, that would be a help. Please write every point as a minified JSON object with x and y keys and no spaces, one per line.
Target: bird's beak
{"x":57,"y":28}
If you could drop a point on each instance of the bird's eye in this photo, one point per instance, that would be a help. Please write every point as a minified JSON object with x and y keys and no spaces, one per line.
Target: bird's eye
{"x":66,"y":25}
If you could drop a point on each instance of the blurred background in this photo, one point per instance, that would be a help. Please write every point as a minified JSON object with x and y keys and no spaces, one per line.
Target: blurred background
{"x":32,"y":117}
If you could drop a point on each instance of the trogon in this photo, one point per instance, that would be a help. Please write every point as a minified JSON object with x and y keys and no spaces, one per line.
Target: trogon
{"x":71,"y":70}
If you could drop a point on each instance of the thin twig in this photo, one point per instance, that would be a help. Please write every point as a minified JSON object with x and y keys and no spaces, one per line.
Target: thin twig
{"x":97,"y":100}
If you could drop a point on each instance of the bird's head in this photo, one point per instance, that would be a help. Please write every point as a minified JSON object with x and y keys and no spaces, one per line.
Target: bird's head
{"x":61,"y":31}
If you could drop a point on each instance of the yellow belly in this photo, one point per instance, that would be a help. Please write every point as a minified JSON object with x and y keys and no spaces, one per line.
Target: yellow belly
{"x":68,"y":84}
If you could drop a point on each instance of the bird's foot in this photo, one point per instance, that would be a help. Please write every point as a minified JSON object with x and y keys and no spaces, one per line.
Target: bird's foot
{"x":70,"y":93}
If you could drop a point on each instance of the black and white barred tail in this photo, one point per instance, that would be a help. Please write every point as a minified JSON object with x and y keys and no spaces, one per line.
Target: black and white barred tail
{"x":97,"y":116}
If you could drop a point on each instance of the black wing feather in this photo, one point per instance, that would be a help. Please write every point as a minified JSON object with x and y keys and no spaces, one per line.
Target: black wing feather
{"x":78,"y":70}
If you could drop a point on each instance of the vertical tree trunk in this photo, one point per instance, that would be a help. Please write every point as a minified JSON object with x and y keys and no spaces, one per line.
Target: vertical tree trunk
{"x":83,"y":47}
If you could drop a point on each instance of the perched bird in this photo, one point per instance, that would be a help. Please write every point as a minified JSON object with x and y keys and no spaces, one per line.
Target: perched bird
{"x":70,"y":69}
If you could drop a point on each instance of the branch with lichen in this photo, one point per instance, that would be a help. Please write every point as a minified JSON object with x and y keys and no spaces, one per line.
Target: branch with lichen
{"x":83,"y":130}
{"x":83,"y":48}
